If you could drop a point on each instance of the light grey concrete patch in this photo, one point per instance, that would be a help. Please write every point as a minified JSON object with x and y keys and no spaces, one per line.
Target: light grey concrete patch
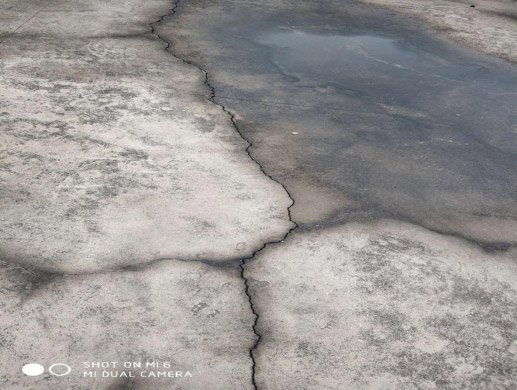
{"x":190,"y":315}
{"x":112,"y":153}
{"x":383,"y":306}
{"x":486,"y":25}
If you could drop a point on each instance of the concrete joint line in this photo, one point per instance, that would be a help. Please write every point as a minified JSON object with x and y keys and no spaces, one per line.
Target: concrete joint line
{"x":231,"y":116}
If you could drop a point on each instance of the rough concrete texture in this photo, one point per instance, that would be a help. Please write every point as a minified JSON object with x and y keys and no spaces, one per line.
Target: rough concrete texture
{"x":117,"y":168}
{"x":111,"y":152}
{"x":188,"y":314}
{"x":489,"y":26}
{"x":126,"y":192}
{"x":383,"y":306}
{"x":363,"y":114}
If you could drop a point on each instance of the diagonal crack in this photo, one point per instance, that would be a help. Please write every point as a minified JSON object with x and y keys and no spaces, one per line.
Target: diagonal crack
{"x":212,"y":96}
{"x":8,"y":35}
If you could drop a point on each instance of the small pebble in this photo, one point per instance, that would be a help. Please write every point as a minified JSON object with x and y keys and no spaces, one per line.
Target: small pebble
{"x":294,"y":132}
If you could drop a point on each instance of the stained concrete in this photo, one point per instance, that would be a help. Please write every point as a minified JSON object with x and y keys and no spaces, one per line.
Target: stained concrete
{"x":398,"y":147}
{"x":384,"y":306}
{"x":129,"y":194}
{"x":128,"y":200}
{"x":363,"y":114}
{"x":112,"y":153}
{"x":486,"y":25}
{"x":191,"y":316}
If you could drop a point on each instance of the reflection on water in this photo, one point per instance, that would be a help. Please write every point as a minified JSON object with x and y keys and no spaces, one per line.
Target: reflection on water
{"x":308,"y":51}
{"x":389,"y":71}
{"x":376,"y":65}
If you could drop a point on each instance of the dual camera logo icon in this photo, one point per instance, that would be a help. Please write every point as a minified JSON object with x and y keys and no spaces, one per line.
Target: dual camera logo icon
{"x":56,"y":369}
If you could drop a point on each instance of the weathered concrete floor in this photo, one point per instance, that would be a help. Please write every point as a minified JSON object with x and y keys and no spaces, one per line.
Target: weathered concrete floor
{"x":489,"y":26}
{"x":113,"y":156}
{"x":362,"y":114}
{"x":112,"y":153}
{"x":383,"y":306}
{"x":129,"y":195}
{"x":194,"y":316}
{"x":422,"y":133}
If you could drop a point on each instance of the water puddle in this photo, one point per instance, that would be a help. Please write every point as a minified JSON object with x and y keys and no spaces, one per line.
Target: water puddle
{"x":336,"y":56}
{"x":383,"y":68}
{"x":363,"y":114}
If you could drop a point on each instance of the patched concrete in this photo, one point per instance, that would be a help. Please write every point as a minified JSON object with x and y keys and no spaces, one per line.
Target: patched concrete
{"x":383,"y":306}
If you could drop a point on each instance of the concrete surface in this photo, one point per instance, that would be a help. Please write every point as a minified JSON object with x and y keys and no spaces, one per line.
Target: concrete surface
{"x":129,"y":199}
{"x":112,"y":154}
{"x":486,"y":25}
{"x":189,"y":315}
{"x":120,"y":178}
{"x":371,"y":121}
{"x":363,"y":114}
{"x":383,"y":306}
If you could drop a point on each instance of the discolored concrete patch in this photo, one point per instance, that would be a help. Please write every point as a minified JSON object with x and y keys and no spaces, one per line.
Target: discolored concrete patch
{"x":368,"y":109}
{"x":186,"y":317}
{"x":383,"y":306}
{"x":112,"y":153}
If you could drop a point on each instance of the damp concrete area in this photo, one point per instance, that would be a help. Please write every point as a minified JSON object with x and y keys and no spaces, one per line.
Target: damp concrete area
{"x":262,"y":195}
{"x":364,"y":114}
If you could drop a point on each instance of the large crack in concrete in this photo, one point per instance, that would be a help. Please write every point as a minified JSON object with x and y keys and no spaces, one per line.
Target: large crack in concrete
{"x":40,"y":279}
{"x":144,"y":146}
{"x":231,"y":116}
{"x":112,"y":242}
{"x":257,"y":307}
{"x":261,"y":67}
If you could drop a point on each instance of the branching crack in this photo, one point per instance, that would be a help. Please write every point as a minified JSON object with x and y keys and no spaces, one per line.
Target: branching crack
{"x":212,"y":96}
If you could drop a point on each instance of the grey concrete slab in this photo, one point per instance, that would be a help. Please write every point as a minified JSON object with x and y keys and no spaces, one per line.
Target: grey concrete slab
{"x":371,"y":120}
{"x":113,"y":154}
{"x":383,"y":306}
{"x":188,"y":319}
{"x":129,"y":199}
{"x":484,"y":25}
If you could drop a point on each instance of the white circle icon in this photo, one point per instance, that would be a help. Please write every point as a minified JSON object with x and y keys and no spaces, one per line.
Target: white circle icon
{"x":33,"y":369}
{"x":67,"y":369}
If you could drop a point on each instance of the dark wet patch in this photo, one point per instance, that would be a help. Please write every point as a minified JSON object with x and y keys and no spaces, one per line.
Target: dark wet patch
{"x":355,"y":100}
